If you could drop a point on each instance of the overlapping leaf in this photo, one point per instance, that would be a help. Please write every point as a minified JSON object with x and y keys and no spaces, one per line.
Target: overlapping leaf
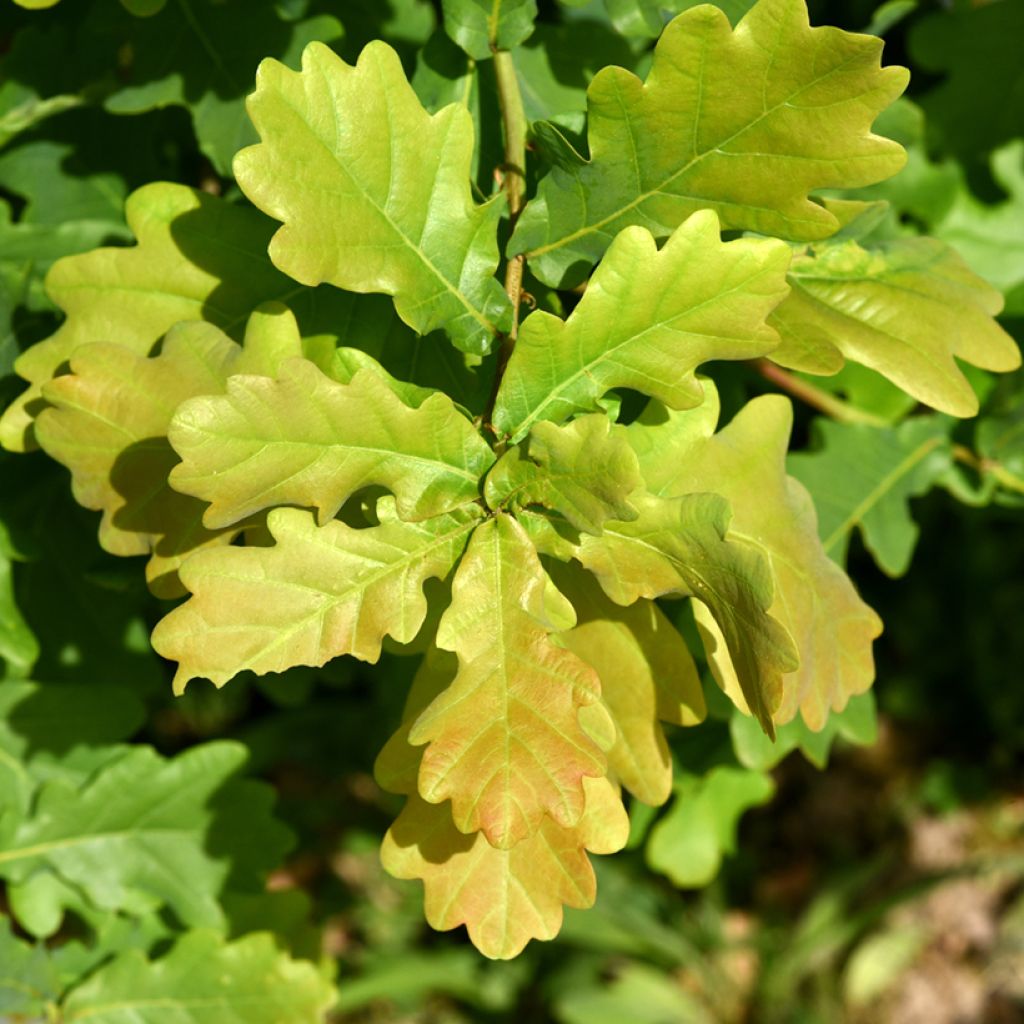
{"x":505,"y":897}
{"x":863,"y":477}
{"x":138,"y":832}
{"x":480,"y":25}
{"x":814,"y":600}
{"x":746,"y":122}
{"x":504,"y":741}
{"x":647,"y":677}
{"x":197,"y":258}
{"x":678,"y":547}
{"x":903,"y":308}
{"x":203,"y":980}
{"x":109,"y":426}
{"x":374,"y":192}
{"x":648,"y":319}
{"x":317,"y":593}
{"x":580,"y":471}
{"x":304,"y":439}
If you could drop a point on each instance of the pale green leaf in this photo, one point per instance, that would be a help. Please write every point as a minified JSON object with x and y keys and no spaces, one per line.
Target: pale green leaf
{"x":648,"y":319}
{"x":699,"y":829}
{"x":746,"y":122}
{"x":198,"y":258}
{"x":307,"y":440}
{"x":505,"y":897}
{"x":28,"y":978}
{"x":18,"y":647}
{"x":580,"y":471}
{"x":318,"y":592}
{"x":904,"y":308}
{"x":678,"y":547}
{"x":814,"y":600}
{"x":203,"y":55}
{"x":647,"y":677}
{"x":146,"y":831}
{"x":504,"y":740}
{"x":204,"y":980}
{"x":374,"y":192}
{"x":109,"y":426}
{"x":863,"y":477}
{"x":480,"y":26}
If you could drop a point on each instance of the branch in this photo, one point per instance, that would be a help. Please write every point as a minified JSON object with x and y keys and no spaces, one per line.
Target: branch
{"x":815,"y":397}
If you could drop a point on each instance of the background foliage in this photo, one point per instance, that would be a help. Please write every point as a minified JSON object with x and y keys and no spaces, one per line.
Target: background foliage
{"x":887,"y":888}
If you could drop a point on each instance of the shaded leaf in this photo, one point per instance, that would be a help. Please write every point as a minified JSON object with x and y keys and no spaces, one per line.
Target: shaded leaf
{"x":317,"y":593}
{"x":647,"y":677}
{"x":648,"y":319}
{"x":903,"y":308}
{"x":695,"y":136}
{"x":28,"y":979}
{"x":505,"y":897}
{"x":504,"y":741}
{"x":699,"y":828}
{"x":580,"y":471}
{"x":146,"y":831}
{"x":307,"y":440}
{"x":814,"y":600}
{"x":18,"y":646}
{"x":862,"y":476}
{"x":204,"y":980}
{"x":480,"y":25}
{"x":374,"y":192}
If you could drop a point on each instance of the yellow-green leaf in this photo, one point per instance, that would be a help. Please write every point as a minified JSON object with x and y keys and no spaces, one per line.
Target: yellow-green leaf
{"x":907,"y":308}
{"x":580,"y":470}
{"x":307,"y":440}
{"x":678,"y":547}
{"x":814,"y":599}
{"x":647,"y":677}
{"x":504,"y":741}
{"x":109,"y":424}
{"x":648,"y":319}
{"x":505,"y":897}
{"x":197,"y":258}
{"x":374,"y":192}
{"x":318,"y":592}
{"x":747,"y":122}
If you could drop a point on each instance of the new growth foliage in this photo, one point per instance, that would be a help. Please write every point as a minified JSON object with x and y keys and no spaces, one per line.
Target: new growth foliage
{"x":233,"y":397}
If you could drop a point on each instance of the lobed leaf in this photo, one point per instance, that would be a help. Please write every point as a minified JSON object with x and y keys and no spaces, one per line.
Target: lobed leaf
{"x":304,"y":439}
{"x":678,"y":547}
{"x":580,"y":470}
{"x":648,"y":319}
{"x":647,"y":677}
{"x":138,"y":832}
{"x":109,"y":425}
{"x":505,"y":744}
{"x":814,"y":600}
{"x":197,"y":258}
{"x":862,"y":476}
{"x":904,"y":308}
{"x":745,"y":122}
{"x":374,"y":192}
{"x":203,"y":980}
{"x":317,"y":593}
{"x":505,"y":897}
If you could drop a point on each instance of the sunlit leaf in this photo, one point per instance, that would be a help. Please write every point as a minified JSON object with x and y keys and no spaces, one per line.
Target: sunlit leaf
{"x":678,"y":547}
{"x":304,"y":439}
{"x":814,"y":599}
{"x":318,"y":592}
{"x":697,"y":135}
{"x":903,"y":308}
{"x":505,"y":897}
{"x":374,"y":192}
{"x":648,"y":319}
{"x":504,"y":741}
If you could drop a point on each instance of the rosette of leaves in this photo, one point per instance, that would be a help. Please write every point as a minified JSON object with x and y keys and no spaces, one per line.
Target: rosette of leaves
{"x":322,"y":471}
